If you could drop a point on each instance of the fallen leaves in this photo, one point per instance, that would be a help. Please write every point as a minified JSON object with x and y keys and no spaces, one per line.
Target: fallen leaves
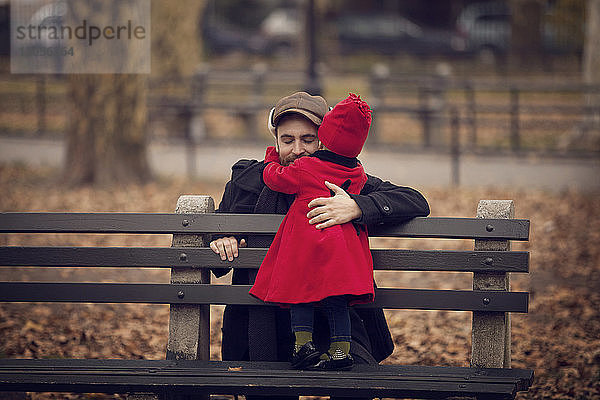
{"x":559,"y":338}
{"x":31,"y":326}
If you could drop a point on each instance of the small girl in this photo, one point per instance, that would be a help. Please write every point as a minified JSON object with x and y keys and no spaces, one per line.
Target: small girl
{"x":332,"y":267}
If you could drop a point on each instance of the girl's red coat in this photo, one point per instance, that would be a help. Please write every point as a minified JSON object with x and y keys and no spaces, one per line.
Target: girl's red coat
{"x":305,"y":264}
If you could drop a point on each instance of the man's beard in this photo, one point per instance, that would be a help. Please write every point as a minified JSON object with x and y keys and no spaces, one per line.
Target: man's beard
{"x":290,"y":159}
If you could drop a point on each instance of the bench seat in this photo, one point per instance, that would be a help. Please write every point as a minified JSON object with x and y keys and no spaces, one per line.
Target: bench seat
{"x":237,"y":377}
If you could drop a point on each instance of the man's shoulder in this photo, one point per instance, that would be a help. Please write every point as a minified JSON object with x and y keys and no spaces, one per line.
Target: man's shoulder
{"x":247,"y":175}
{"x":245,"y":167}
{"x":244,"y":164}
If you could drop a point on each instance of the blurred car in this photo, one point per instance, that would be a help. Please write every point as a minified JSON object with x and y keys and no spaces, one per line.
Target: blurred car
{"x":282,"y":29}
{"x":486,"y":29}
{"x":390,"y":34}
{"x":277,"y":33}
{"x":221,"y":38}
{"x":50,"y":15}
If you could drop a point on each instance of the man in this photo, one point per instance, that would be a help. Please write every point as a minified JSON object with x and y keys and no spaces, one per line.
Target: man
{"x":263,"y":333}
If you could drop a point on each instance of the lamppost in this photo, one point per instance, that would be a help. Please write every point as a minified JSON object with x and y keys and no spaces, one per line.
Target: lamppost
{"x":312,"y":84}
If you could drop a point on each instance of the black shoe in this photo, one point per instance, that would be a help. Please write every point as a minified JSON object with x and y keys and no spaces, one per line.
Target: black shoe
{"x":307,"y":355}
{"x":343,"y":363}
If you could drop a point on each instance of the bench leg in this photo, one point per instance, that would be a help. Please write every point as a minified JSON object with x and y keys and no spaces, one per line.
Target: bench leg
{"x":491,"y":342}
{"x":189,"y":325}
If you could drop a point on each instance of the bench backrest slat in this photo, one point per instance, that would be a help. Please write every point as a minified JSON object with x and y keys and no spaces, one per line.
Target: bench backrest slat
{"x":181,"y":257}
{"x":430,"y":227}
{"x":460,"y":300}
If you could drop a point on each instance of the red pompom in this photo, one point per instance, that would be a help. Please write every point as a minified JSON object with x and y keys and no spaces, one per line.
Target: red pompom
{"x":362,"y":105}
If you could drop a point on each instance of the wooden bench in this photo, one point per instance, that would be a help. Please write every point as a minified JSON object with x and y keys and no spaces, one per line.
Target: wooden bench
{"x":188,"y":369}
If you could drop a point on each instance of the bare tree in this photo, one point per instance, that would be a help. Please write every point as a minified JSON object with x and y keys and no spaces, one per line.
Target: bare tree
{"x":526,"y":37}
{"x":106,"y":137}
{"x":591,"y":60}
{"x":176,"y":44}
{"x":586,"y":135}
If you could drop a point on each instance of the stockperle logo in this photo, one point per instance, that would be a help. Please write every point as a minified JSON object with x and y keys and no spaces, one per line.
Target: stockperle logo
{"x":80,"y":36}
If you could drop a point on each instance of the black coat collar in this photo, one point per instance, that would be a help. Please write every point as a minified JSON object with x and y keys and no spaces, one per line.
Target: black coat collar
{"x":247,"y":174}
{"x":327,"y":155}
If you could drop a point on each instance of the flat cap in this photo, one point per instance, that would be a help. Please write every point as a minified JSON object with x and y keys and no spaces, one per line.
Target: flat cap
{"x":312,"y":107}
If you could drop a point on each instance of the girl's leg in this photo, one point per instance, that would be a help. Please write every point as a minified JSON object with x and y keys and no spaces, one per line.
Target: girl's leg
{"x":302,"y":317}
{"x":305,"y":353}
{"x":338,"y":314}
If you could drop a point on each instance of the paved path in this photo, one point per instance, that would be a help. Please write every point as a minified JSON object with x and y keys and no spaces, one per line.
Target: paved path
{"x":412,"y":169}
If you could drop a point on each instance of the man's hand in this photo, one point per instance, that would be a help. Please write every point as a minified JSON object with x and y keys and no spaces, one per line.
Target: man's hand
{"x":227,"y":247}
{"x":335,"y":210}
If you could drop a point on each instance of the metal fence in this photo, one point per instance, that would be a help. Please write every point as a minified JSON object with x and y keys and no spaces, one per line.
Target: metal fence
{"x":512,"y":116}
{"x":428,"y":113}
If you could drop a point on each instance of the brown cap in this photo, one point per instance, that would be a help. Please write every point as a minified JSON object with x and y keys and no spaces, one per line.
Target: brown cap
{"x":312,"y":107}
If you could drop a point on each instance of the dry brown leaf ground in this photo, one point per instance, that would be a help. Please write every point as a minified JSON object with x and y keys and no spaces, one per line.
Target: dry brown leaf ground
{"x":559,"y":338}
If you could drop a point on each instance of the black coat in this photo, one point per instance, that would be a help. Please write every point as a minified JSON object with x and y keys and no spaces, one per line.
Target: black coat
{"x":263,"y":332}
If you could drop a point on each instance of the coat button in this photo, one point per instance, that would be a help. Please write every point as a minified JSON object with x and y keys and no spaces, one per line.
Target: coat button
{"x":386,"y":208}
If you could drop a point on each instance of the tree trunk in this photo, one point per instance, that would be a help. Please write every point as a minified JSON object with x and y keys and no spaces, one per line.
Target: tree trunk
{"x":106,"y":135}
{"x":176,"y":44}
{"x":591,"y":62}
{"x":586,"y":135}
{"x":107,"y":126}
{"x":526,"y":37}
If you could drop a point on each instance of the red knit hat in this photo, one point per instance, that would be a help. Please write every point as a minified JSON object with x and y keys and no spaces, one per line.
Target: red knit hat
{"x":345,"y":128}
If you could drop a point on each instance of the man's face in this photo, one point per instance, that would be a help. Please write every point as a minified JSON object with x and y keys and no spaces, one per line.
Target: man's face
{"x":296,"y":137}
